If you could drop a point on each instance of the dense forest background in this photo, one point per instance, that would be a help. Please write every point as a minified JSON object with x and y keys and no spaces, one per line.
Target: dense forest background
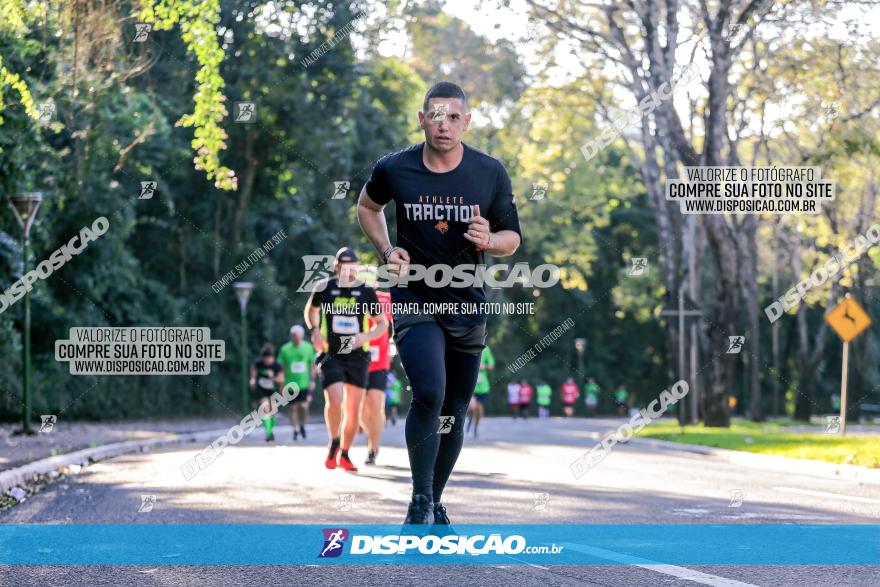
{"x":127,"y":112}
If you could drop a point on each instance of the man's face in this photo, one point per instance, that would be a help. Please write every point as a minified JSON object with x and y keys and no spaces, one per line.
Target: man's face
{"x":444,"y":123}
{"x":296,"y":337}
{"x":346,"y":272}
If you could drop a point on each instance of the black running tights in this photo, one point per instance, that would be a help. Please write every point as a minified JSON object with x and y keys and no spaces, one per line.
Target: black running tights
{"x":442,"y":381}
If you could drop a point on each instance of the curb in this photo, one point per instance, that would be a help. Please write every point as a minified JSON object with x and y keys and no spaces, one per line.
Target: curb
{"x":776,"y":463}
{"x":84,"y":457}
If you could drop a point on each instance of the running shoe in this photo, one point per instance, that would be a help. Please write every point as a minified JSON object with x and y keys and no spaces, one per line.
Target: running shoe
{"x":270,"y":438}
{"x":330,"y":463}
{"x":371,"y":458}
{"x":302,"y":432}
{"x":346,"y":463}
{"x":441,"y":525}
{"x":295,"y":436}
{"x":419,"y":511}
{"x":440,"y":516}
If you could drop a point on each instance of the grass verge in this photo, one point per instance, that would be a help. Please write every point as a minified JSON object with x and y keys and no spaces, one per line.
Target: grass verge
{"x":772,"y":439}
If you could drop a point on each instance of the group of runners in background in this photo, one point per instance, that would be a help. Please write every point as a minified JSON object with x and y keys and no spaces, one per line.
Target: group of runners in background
{"x":519,"y":397}
{"x":297,"y":362}
{"x":520,"y":393}
{"x":357,"y":380}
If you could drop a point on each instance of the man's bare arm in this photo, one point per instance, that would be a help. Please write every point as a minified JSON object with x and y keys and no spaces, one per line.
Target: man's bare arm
{"x":498,"y":244}
{"x":380,"y":325}
{"x":503,"y":243}
{"x":371,"y":217}
{"x":312,"y":316}
{"x":313,"y":321}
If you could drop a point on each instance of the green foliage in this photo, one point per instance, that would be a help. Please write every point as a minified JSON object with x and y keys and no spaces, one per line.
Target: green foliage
{"x":197,"y":20}
{"x":14,"y":20}
{"x":160,"y":257}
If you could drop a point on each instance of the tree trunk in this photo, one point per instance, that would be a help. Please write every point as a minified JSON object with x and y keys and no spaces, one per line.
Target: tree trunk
{"x":181,"y":238}
{"x":249,"y":174}
{"x":218,"y":216}
{"x":753,"y":332}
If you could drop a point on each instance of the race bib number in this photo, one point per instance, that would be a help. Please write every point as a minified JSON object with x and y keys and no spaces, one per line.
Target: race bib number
{"x":298,"y":367}
{"x":374,"y":354}
{"x":265,"y":383}
{"x":345,"y":325}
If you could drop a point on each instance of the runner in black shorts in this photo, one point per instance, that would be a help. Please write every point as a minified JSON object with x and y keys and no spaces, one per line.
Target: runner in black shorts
{"x":337,"y":315}
{"x":267,"y":377}
{"x":439,"y":188}
{"x":377,"y":379}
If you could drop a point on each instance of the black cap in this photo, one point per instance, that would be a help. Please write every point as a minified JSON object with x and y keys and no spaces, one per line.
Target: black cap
{"x":345,"y":255}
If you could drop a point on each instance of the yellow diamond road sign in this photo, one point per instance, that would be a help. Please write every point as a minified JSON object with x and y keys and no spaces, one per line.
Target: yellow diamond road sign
{"x":848,"y":319}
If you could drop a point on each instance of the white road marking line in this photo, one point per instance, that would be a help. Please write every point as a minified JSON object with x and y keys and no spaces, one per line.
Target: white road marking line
{"x":672,"y":570}
{"x":838,"y":496}
{"x":770,"y":516}
{"x":689,"y":512}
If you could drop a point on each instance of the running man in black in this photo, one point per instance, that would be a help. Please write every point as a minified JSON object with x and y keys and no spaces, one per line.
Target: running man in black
{"x":441,"y":189}
{"x":267,"y":377}
{"x":338,"y":313}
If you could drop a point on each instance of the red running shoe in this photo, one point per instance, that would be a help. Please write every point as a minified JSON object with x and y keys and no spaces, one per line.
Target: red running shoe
{"x":346,"y":463}
{"x":330,"y":463}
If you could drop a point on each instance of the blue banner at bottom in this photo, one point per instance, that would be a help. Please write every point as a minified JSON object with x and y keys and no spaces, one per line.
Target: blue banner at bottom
{"x":357,"y":544}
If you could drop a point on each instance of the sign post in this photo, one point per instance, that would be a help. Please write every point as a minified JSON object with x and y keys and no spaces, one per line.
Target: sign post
{"x":681,"y":314}
{"x":848,"y":320}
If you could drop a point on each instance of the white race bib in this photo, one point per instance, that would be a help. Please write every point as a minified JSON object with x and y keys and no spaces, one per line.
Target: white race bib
{"x":345,"y":325}
{"x":299,"y":367}
{"x":265,"y":383}
{"x":374,"y":354}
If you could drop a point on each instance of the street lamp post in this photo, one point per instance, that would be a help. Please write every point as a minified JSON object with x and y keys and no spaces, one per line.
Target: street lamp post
{"x":25,"y":207}
{"x":580,"y":344}
{"x":243,"y":291}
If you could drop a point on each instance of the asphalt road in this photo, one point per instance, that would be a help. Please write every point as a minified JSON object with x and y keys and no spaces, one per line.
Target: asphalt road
{"x":516,"y":472}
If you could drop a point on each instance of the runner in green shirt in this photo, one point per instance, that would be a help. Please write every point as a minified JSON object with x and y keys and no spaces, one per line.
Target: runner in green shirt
{"x":591,"y":396}
{"x":297,"y":357}
{"x":545,"y":393}
{"x":477,"y":408}
{"x":620,"y":397}
{"x":392,"y":395}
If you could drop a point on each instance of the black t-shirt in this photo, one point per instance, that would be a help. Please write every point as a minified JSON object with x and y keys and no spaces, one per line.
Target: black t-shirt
{"x":432,"y":217}
{"x":266,"y":374}
{"x":345,"y":311}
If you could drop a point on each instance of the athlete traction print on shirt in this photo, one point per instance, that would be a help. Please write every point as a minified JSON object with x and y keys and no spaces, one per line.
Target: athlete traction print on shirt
{"x":432,"y":211}
{"x":344,"y":313}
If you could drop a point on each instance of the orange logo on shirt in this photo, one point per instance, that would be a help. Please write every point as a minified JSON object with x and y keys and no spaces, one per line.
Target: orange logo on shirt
{"x":442,"y":226}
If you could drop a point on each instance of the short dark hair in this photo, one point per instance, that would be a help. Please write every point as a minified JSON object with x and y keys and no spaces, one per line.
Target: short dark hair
{"x":445,"y":90}
{"x":267,"y":350}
